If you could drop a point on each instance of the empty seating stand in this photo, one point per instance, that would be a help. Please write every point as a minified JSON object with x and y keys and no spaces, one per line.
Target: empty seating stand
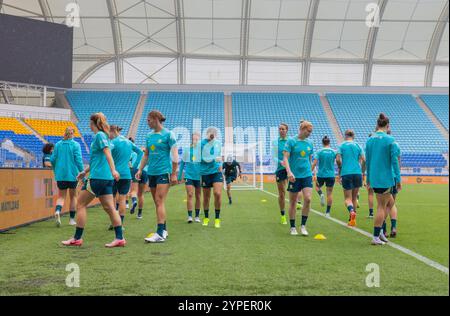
{"x":12,"y":129}
{"x":53,"y":132}
{"x":438,"y":104}
{"x":410,"y":125}
{"x":268,"y":110}
{"x":119,"y":108}
{"x":181,"y":108}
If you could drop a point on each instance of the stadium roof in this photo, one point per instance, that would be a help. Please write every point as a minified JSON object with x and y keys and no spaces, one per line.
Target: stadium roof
{"x":292,"y":42}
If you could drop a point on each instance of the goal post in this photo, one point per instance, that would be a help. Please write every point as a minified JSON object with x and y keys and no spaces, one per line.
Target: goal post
{"x":252,"y":177}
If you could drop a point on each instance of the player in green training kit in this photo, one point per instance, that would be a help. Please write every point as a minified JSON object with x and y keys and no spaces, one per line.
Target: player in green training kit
{"x":161,"y":156}
{"x":230,"y":170}
{"x":298,"y":154}
{"x":325,"y":159}
{"x":190,"y":166}
{"x":67,"y":164}
{"x":121,"y":153}
{"x":100,"y":183}
{"x":351,"y":163}
{"x":211,"y":172}
{"x":281,"y":173}
{"x":383,"y":173}
{"x":47,"y":150}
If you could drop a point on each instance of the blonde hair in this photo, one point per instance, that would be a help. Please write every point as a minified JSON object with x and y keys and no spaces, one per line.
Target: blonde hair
{"x":305,"y":124}
{"x":70,"y":131}
{"x":99,"y":119}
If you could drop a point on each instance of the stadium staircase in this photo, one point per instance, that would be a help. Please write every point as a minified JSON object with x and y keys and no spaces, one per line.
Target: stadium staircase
{"x":137,"y":116}
{"x":436,"y":121}
{"x":332,"y":119}
{"x":32,"y":130}
{"x":228,"y":120}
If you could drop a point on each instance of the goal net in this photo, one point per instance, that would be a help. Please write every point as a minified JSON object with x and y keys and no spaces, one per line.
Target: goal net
{"x":252,"y":177}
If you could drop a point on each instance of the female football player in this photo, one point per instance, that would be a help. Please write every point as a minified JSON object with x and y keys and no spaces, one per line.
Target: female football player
{"x":351,"y":163}
{"x":211,"y":172}
{"x":67,"y":163}
{"x":161,"y":157}
{"x":383,"y":173}
{"x":102,"y":173}
{"x":325,"y":158}
{"x":190,"y":173}
{"x":298,"y":154}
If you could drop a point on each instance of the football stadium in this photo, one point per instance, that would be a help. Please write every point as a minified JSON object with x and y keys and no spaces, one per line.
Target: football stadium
{"x":244,"y":148}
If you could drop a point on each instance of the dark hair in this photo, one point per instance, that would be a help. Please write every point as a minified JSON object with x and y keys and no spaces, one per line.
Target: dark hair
{"x":157,"y":115}
{"x":326,"y":140}
{"x":131,"y":139}
{"x":116,"y":128}
{"x":285,"y":125}
{"x":350,"y":133}
{"x":47,"y":149}
{"x":383,"y":120}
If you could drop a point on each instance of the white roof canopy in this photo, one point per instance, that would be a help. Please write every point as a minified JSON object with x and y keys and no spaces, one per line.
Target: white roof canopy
{"x":241,"y":41}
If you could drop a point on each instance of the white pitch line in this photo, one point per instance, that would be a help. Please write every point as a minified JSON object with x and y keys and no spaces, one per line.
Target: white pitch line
{"x":411,"y":253}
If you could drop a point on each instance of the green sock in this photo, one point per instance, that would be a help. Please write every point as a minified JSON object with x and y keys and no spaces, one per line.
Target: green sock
{"x":190,"y":213}
{"x":304,"y":219}
{"x":72,"y":214}
{"x":384,"y":227}
{"x":292,"y":221}
{"x":122,"y":218}
{"x":393,"y":224}
{"x":78,"y":233}
{"x":58,"y":209}
{"x":350,"y":208}
{"x":328,"y":208}
{"x":376,"y":231}
{"x":119,"y":232}
{"x":160,"y":229}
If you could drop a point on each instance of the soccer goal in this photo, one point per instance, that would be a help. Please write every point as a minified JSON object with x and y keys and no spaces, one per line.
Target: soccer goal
{"x":252,"y":177}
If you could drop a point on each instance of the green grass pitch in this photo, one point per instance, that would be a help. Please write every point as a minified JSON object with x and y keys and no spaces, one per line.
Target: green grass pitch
{"x":252,"y":254}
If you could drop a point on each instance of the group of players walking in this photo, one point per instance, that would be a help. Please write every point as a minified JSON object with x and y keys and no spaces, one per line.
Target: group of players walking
{"x":119,"y":168}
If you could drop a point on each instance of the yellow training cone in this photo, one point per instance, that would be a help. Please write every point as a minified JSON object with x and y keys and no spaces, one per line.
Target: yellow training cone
{"x":320,"y":237}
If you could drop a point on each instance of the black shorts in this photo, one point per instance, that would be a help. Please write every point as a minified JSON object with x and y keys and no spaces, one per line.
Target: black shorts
{"x":154,"y":181}
{"x":194,"y":183}
{"x":230,"y":179}
{"x":99,"y":187}
{"x":122,"y":187}
{"x":300,"y":184}
{"x":281,"y":175}
{"x":382,"y":190}
{"x":352,"y":181}
{"x":209,"y":180}
{"x":64,"y":185}
{"x":329,"y":182}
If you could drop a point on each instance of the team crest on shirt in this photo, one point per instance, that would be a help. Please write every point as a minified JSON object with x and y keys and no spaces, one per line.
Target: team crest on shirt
{"x":153,"y":147}
{"x":303,"y":153}
{"x":194,"y":158}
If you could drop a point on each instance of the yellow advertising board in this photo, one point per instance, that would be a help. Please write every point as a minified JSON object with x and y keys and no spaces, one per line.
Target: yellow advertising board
{"x":26,"y":196}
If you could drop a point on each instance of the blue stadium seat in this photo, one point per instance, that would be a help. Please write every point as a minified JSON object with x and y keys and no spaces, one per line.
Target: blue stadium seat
{"x":119,"y":108}
{"x":439,"y":105}
{"x":268,"y":110}
{"x":181,"y":108}
{"x":410,"y":125}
